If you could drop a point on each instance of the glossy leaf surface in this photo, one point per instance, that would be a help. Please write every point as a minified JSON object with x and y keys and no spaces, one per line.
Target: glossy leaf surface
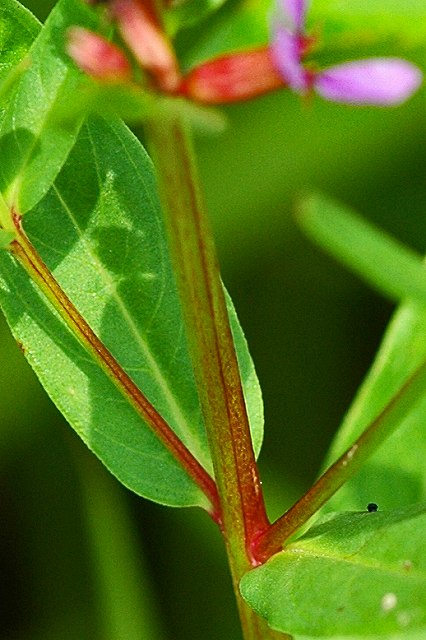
{"x":353,"y":574}
{"x":100,"y":231}
{"x":33,"y":148}
{"x":18,"y":28}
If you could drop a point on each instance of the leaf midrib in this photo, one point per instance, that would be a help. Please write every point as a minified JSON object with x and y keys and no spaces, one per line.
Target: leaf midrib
{"x":161,"y":380}
{"x":358,"y":560}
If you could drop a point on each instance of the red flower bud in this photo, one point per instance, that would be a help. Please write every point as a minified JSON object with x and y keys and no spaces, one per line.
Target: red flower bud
{"x":232,"y":78}
{"x":145,"y":38}
{"x":97,"y":57}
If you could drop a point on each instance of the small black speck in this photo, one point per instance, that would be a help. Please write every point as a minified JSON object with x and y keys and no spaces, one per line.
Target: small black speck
{"x":372,"y":507}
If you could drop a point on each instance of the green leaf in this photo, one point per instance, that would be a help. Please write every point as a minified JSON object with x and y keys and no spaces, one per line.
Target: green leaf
{"x":32,"y":147}
{"x":386,"y":264}
{"x":18,"y":29}
{"x":129,"y":102}
{"x":6,"y":238}
{"x":100,"y":231}
{"x":395,"y":474}
{"x":134,"y":105}
{"x":352,"y":575}
{"x":352,"y":23}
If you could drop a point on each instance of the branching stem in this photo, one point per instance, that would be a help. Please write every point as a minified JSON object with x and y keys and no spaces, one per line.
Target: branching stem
{"x":345,"y":467}
{"x":212,"y":352}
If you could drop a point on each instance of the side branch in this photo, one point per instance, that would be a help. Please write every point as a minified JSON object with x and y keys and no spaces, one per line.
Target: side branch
{"x":344,"y":468}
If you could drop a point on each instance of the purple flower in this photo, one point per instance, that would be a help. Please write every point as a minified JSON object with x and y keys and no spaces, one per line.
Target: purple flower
{"x":374,"y":81}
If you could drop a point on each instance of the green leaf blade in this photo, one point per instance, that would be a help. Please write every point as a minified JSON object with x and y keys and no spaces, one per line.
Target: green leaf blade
{"x":389,"y":266}
{"x":354,"y":574}
{"x":394,"y":475}
{"x":88,"y":400}
{"x":100,"y":231}
{"x":33,"y":148}
{"x":18,"y":29}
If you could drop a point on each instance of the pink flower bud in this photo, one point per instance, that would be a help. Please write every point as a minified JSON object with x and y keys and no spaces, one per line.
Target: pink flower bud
{"x":233,"y":78}
{"x":97,"y":57}
{"x":143,"y":35}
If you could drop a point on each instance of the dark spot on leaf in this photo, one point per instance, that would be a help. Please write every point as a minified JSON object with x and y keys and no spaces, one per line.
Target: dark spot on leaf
{"x":372,"y":507}
{"x":21,"y":346}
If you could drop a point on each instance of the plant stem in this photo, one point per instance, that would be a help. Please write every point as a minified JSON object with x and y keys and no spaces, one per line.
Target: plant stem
{"x":212,"y":351}
{"x":26,"y":253}
{"x":345,"y":467}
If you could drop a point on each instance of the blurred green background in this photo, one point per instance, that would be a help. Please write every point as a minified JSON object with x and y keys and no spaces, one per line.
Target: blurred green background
{"x":81,"y":558}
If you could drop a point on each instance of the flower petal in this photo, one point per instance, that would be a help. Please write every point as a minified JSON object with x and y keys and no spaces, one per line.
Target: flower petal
{"x":285,"y":51}
{"x":291,"y":13}
{"x":375,"y":81}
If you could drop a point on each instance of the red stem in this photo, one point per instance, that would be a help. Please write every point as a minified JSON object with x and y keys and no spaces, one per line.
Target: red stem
{"x":209,"y":334}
